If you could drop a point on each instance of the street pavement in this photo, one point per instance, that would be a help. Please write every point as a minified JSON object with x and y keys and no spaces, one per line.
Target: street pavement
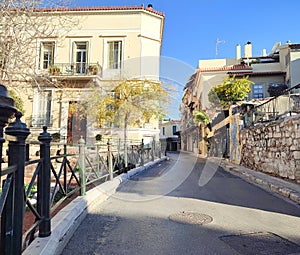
{"x":286,"y":189}
{"x":190,"y":205}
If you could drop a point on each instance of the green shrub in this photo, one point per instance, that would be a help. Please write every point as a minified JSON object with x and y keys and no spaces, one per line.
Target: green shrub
{"x":55,"y":137}
{"x":98,"y":137}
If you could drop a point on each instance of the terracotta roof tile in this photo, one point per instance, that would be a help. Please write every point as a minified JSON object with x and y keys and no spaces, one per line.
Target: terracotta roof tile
{"x":101,"y":8}
{"x":225,"y":68}
{"x":270,"y":73}
{"x":294,"y":46}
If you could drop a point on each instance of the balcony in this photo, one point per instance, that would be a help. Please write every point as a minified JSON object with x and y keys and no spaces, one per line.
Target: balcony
{"x":73,"y":70}
{"x":38,"y":121}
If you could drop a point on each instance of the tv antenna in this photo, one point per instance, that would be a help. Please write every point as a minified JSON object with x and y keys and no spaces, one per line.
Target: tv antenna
{"x":218,"y":41}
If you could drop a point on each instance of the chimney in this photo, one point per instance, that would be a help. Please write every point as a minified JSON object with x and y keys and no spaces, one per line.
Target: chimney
{"x":150,"y":6}
{"x":238,"y":51}
{"x":248,"y":50}
{"x":264,"y":53}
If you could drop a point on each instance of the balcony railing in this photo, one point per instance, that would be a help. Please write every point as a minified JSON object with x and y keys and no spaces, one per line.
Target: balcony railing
{"x":40,"y":121}
{"x":281,"y":106}
{"x":74,"y":69}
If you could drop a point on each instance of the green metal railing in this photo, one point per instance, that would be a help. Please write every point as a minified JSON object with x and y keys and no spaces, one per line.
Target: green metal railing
{"x":57,"y":177}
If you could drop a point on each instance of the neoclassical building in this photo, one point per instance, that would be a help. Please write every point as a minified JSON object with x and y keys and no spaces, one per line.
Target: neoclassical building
{"x":277,"y":68}
{"x":105,"y":44}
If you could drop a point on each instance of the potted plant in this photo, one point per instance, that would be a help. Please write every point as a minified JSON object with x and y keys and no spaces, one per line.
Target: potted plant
{"x":54,"y":70}
{"x":93,"y":69}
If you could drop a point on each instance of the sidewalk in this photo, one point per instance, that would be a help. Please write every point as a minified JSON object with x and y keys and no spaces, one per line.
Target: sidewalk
{"x":279,"y":186}
{"x":64,"y":224}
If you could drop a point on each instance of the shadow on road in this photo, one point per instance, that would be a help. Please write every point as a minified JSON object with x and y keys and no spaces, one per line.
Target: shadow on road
{"x":143,"y":234}
{"x":223,"y":187}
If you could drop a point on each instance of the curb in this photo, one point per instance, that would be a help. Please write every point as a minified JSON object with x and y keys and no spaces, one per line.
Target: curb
{"x":65,"y":223}
{"x":279,"y":186}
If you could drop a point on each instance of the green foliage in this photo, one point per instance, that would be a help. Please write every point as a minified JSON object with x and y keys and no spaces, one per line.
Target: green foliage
{"x":131,"y":102}
{"x":98,"y":137}
{"x":18,"y":101}
{"x":55,"y":137}
{"x":230,"y":91}
{"x":201,"y":117}
{"x":32,"y":191}
{"x":54,"y":69}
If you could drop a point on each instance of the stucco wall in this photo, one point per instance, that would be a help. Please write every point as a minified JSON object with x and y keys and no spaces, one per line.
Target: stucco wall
{"x":273,"y":148}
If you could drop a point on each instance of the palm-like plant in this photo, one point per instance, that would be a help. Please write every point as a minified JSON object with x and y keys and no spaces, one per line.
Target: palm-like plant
{"x":201,"y":117}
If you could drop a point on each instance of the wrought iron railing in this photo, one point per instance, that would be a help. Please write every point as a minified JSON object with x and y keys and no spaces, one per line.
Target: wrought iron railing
{"x":38,"y":121}
{"x":54,"y":178}
{"x":73,"y":69}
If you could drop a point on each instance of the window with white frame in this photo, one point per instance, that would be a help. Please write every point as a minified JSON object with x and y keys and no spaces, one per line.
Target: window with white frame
{"x":46,"y":54}
{"x":42,"y":106}
{"x":257,"y":91}
{"x":114,"y":54}
{"x":80,"y":56}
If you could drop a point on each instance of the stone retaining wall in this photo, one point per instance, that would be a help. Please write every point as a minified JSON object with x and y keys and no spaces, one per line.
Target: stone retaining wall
{"x":273,"y":148}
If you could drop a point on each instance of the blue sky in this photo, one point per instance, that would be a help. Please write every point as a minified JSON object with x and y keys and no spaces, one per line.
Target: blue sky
{"x":193,"y":26}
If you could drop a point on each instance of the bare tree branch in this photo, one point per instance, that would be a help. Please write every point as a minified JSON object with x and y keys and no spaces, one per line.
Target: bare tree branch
{"x":22,"y":24}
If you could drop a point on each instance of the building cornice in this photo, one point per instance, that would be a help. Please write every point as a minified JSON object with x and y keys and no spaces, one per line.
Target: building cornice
{"x":103,"y":9}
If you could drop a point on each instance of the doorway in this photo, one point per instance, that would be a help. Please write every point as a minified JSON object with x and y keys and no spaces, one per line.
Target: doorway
{"x":77,"y":123}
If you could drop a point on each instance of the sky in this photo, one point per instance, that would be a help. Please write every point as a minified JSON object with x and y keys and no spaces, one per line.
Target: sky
{"x":192,"y":28}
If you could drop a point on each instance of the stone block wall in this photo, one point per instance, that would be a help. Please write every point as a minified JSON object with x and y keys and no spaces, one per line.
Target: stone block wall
{"x":273,"y":148}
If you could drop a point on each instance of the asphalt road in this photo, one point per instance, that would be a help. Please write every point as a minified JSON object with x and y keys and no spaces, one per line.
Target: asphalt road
{"x":189,"y":206}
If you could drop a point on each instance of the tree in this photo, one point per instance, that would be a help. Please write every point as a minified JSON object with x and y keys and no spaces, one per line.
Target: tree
{"x":22,"y":24}
{"x":230,"y":91}
{"x":18,"y":101}
{"x":131,"y":103}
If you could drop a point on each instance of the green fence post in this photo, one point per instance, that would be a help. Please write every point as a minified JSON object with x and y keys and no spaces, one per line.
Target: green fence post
{"x":125,"y":154}
{"x":82,"y":167}
{"x":153,"y":149}
{"x":109,"y":159}
{"x":98,"y":159}
{"x":142,"y":152}
{"x":160,"y":148}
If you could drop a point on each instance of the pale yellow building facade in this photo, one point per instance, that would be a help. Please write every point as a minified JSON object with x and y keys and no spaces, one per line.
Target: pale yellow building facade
{"x":105,"y":45}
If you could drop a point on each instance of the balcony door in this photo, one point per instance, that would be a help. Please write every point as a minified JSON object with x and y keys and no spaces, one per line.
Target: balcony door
{"x":46,"y":57}
{"x":80,"y":56}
